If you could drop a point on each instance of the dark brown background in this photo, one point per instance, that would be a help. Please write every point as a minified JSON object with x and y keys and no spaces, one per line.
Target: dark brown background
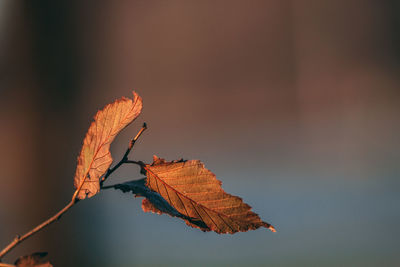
{"x":293,"y":104}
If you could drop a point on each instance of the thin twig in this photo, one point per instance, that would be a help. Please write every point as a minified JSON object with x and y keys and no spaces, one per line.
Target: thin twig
{"x":18,"y":239}
{"x":140,"y":163}
{"x":125,"y":156}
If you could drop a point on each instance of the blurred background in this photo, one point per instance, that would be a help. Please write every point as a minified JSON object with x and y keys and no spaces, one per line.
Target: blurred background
{"x":294,"y":105}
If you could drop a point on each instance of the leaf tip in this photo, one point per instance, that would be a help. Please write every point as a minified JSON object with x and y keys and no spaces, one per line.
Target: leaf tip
{"x":270,"y":227}
{"x":136,"y":96}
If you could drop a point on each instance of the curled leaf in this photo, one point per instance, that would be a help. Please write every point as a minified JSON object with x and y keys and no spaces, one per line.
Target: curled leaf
{"x":34,"y":260}
{"x":153,"y":202}
{"x":95,"y":157}
{"x":194,"y":192}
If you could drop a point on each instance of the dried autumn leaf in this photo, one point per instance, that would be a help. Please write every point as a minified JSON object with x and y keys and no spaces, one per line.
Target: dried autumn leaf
{"x":196,"y":193}
{"x":34,"y":260}
{"x":95,"y":157}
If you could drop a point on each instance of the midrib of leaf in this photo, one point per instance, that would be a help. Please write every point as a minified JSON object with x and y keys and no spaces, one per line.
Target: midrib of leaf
{"x":104,"y":142}
{"x":192,"y":201}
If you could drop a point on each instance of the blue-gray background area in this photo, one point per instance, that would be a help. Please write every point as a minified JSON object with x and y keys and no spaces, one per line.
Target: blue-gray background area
{"x":294,"y":107}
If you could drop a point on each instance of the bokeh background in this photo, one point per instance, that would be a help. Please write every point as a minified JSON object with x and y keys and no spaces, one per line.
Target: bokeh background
{"x":294,"y":105}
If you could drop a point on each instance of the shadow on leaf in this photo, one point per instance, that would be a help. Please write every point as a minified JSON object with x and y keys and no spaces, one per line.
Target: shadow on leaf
{"x":155,"y":203}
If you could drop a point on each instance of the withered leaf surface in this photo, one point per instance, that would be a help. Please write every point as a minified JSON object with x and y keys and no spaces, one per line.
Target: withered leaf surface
{"x":195,"y":192}
{"x":34,"y":260}
{"x":95,"y":157}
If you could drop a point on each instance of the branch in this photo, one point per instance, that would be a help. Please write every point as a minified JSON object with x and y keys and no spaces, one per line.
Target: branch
{"x":125,"y":157}
{"x":18,"y":239}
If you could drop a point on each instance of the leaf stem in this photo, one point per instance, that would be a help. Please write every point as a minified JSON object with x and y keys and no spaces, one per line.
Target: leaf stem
{"x":125,"y":156}
{"x":140,"y":163}
{"x":18,"y":239}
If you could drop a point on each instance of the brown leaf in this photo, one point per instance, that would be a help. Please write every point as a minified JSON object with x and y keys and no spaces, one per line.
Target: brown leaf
{"x":195,"y":192}
{"x":95,"y":158}
{"x":33,"y":260}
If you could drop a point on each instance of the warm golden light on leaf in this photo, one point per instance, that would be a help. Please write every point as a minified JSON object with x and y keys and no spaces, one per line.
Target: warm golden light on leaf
{"x":95,"y":158}
{"x":195,"y":192}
